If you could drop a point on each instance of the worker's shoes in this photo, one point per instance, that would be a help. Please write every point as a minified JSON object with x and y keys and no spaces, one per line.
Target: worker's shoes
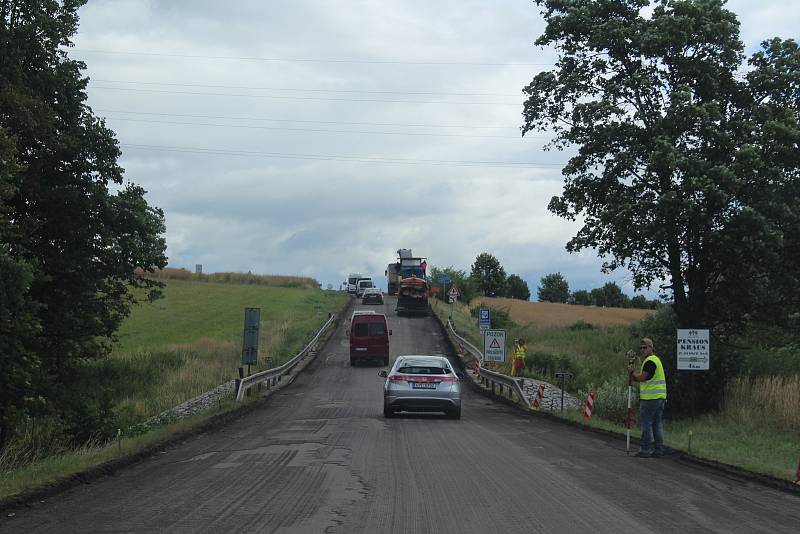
{"x":643,"y":454}
{"x":658,"y":454}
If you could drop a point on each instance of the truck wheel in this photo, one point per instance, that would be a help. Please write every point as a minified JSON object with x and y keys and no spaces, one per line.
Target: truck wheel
{"x":386,"y":361}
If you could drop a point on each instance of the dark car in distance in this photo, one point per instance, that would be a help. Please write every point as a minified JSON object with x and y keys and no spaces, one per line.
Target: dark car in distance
{"x":372,"y":295}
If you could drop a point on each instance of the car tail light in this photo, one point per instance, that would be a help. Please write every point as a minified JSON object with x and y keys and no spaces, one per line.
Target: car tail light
{"x":398,"y":378}
{"x":449,"y":379}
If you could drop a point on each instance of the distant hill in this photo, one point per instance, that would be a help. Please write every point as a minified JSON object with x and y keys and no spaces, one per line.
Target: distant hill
{"x":554,"y":314}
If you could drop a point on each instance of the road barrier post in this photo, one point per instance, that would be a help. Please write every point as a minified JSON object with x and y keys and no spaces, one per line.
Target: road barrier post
{"x":587,"y":412}
{"x":537,"y":400}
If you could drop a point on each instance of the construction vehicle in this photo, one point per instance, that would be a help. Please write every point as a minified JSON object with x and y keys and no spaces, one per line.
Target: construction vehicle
{"x":412,"y":288}
{"x":392,"y":278}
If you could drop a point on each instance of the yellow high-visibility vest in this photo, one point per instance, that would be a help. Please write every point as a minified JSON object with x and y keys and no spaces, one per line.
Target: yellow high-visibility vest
{"x":656,"y":387}
{"x":519,"y":352}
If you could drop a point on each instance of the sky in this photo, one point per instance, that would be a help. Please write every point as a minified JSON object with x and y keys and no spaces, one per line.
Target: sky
{"x":315,"y":138}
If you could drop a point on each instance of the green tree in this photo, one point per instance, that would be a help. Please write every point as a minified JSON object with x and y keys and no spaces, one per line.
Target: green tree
{"x":580,"y":297}
{"x":517,"y":288}
{"x":74,"y":245}
{"x":488,"y":275}
{"x":685,"y":171}
{"x":640,"y":301}
{"x":458,"y":278}
{"x":553,"y":288}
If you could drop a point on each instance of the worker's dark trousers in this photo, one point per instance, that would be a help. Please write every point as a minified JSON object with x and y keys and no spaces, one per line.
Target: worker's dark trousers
{"x":651,"y":415}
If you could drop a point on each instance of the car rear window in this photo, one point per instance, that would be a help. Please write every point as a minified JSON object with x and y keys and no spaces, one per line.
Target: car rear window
{"x":360,"y":329}
{"x":377,"y":329}
{"x":423,"y":370}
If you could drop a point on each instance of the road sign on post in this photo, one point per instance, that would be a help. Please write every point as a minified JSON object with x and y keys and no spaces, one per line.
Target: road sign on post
{"x":484,"y":319}
{"x":454,"y":292}
{"x":494,"y":345}
{"x":693,"y":350}
{"x":252,"y":321}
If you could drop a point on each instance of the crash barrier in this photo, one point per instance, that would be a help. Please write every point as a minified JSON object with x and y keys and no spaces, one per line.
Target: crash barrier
{"x":587,"y":412}
{"x":537,"y":401}
{"x":491,"y":378}
{"x":274,"y":375}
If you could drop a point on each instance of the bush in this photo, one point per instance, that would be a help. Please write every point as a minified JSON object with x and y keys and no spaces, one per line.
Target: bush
{"x":581,"y":325}
{"x":611,"y":401}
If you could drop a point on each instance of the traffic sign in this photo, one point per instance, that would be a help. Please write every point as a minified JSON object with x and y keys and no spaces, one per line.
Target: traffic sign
{"x":494,"y":345}
{"x":444,"y":279}
{"x":693,"y":350}
{"x":454,"y":292}
{"x":252,"y":321}
{"x":484,"y":319}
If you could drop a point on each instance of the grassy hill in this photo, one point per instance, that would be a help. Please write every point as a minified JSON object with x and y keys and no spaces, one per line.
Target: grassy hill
{"x":190,"y":341}
{"x":524,"y":312}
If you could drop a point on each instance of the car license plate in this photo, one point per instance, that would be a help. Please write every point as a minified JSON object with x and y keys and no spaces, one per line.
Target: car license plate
{"x":423,"y":385}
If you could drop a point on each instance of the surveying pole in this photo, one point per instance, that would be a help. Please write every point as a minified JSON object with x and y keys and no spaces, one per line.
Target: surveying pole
{"x":629,"y":418}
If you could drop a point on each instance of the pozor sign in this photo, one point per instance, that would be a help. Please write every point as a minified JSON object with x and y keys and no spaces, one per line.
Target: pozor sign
{"x":693,"y":350}
{"x":494,"y":345}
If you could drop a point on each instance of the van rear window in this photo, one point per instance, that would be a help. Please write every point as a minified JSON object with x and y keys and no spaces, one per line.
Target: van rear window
{"x":377,"y":329}
{"x":423,"y":370}
{"x":360,"y":330}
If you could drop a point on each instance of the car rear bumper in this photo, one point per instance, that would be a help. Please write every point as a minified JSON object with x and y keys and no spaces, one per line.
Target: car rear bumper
{"x":422,"y":403}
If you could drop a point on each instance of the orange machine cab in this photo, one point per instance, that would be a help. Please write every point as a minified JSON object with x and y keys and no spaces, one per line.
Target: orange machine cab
{"x":369,"y":338}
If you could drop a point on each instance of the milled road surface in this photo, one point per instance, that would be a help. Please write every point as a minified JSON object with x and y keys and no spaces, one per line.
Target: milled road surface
{"x":318,"y":456}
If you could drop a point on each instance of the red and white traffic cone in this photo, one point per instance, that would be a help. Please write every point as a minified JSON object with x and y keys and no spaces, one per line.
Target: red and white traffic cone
{"x":587,"y":412}
{"x":537,"y":400}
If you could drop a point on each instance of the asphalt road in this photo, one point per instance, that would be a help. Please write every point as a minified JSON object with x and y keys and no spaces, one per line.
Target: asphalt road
{"x":318,"y":456}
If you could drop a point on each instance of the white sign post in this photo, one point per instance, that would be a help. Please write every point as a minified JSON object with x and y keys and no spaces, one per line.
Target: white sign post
{"x":494,"y":345}
{"x":484,"y":320}
{"x":693,"y":350}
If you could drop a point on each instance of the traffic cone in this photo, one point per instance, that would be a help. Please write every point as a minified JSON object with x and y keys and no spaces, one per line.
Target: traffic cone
{"x":537,"y":400}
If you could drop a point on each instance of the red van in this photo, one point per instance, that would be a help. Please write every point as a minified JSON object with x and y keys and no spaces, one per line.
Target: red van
{"x":369,"y":337}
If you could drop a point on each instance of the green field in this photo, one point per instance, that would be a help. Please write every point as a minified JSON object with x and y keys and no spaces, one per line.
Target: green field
{"x":170,"y":351}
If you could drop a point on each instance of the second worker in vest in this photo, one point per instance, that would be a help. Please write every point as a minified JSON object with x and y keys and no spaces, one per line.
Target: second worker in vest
{"x":518,"y":364}
{"x":652,"y":398}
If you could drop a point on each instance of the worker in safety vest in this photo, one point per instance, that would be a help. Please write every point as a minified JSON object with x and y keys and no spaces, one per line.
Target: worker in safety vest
{"x":518,"y":365}
{"x":652,"y":398}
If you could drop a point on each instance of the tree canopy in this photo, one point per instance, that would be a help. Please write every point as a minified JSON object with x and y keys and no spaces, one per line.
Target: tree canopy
{"x":553,"y":288}
{"x":488,"y":275}
{"x":70,"y":245}
{"x":517,"y":288}
{"x":686,"y":171}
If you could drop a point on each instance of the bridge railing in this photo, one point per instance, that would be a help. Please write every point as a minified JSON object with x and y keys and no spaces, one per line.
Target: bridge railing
{"x":275,"y":374}
{"x":491,"y":378}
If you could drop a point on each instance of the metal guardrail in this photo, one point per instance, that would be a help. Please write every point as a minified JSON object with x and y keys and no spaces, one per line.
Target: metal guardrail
{"x":489,"y":376}
{"x":276,"y":373}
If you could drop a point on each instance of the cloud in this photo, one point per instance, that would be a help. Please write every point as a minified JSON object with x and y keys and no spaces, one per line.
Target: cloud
{"x":317,"y":138}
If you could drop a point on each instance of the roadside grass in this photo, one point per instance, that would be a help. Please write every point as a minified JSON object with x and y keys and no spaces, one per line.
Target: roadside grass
{"x":758,"y":428}
{"x":69,"y":462}
{"x":170,"y":351}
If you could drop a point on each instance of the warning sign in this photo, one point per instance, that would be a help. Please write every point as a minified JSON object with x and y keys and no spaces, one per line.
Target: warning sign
{"x":454,"y":292}
{"x":494,"y":345}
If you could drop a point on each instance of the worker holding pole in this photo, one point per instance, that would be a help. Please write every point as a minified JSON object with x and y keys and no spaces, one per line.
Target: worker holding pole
{"x":652,"y":399}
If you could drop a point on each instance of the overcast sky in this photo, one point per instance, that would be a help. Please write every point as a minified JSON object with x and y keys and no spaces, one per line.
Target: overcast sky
{"x":317,"y":137}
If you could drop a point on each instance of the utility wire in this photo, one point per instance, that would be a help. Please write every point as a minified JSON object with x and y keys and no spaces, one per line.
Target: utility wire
{"x":316,"y":130}
{"x":385,"y":61}
{"x":227,"y":117}
{"x":330,"y":157}
{"x":283,"y":97}
{"x":293,"y":89}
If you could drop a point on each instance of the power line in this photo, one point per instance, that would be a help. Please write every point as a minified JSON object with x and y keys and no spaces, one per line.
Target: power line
{"x":283,"y":97}
{"x":295,"y":89}
{"x":317,"y":130}
{"x":331,"y":157}
{"x":315,"y":60}
{"x":227,"y":117}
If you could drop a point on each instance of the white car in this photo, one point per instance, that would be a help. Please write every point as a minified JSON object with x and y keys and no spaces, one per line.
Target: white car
{"x":419,"y":383}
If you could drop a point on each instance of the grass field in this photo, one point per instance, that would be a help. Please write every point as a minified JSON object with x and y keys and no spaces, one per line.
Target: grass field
{"x":169,"y":351}
{"x":541,"y":314}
